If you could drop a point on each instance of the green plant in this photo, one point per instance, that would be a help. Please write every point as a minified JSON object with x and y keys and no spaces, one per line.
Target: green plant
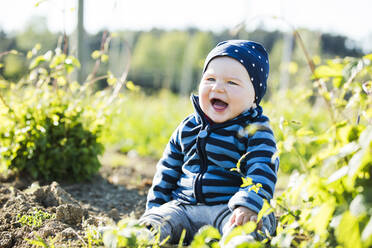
{"x":51,"y":125}
{"x":127,"y":233}
{"x":40,"y":242}
{"x":329,"y":203}
{"x":45,"y":131}
{"x":208,"y":236}
{"x":93,"y":236}
{"x":35,"y":219}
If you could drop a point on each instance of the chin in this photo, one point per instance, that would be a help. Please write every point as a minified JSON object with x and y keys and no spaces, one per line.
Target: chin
{"x":219,"y":120}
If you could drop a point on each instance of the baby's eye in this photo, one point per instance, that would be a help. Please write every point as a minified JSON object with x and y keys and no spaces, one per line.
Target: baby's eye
{"x":232,"y":83}
{"x":210,"y":79}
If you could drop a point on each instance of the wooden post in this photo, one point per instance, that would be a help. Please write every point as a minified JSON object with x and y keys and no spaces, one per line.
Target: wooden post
{"x":80,"y":41}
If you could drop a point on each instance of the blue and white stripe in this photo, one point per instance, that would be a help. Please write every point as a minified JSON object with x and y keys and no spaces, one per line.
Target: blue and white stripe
{"x":197,"y":162}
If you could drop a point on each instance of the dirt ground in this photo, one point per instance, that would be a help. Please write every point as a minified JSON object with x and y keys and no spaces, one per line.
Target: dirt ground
{"x":114,"y":193}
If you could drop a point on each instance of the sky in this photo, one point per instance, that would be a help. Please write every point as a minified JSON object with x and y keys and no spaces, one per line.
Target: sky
{"x":345,"y":17}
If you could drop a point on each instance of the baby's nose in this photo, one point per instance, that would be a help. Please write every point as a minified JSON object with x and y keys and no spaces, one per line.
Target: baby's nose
{"x":219,"y":86}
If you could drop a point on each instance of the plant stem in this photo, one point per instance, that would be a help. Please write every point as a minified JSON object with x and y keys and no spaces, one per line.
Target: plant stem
{"x":5,"y":53}
{"x":309,"y":60}
{"x":122,"y":78}
{"x":5,"y":104}
{"x":98,"y":61}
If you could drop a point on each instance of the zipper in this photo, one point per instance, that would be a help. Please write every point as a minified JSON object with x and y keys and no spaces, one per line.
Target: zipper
{"x":201,"y":142}
{"x":200,"y":147}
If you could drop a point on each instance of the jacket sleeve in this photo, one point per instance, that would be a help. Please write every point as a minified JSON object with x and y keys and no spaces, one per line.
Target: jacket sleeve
{"x":168,"y":171}
{"x":260,"y":163}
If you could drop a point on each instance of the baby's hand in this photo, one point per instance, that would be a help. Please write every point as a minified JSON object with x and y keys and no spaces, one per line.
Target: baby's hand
{"x":242,"y":215}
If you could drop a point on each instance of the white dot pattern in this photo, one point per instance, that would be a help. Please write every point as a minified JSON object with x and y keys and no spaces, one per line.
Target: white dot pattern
{"x":252,"y":79}
{"x":241,"y":61}
{"x":236,"y":50}
{"x":253,"y":65}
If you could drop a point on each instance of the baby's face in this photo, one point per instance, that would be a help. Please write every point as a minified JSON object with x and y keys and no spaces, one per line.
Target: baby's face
{"x":225,"y":90}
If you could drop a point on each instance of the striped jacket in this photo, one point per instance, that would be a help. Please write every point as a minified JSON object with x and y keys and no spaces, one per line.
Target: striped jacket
{"x":197,"y":162}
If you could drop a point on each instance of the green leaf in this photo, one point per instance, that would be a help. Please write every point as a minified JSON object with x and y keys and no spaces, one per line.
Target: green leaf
{"x":71,"y":60}
{"x":249,"y":227}
{"x":104,"y":58}
{"x":110,"y":238}
{"x":182,"y":238}
{"x":367,"y":232}
{"x":3,"y":84}
{"x":326,"y":71}
{"x":368,"y":56}
{"x":96,"y":54}
{"x":347,"y":232}
{"x":48,"y":55}
{"x":111,"y":80}
{"x":303,"y":132}
{"x":246,"y":182}
{"x":320,"y":218}
{"x":39,"y":2}
{"x":14,"y":52}
{"x":207,"y":235}
{"x":245,"y":229}
{"x":39,"y":243}
{"x":36,"y":62}
{"x":132,"y":87}
{"x":357,"y":163}
{"x":256,"y":187}
{"x":337,"y":82}
{"x":358,"y":206}
{"x":265,"y":210}
{"x":57,"y":60}
{"x":29,"y":55}
{"x":338,"y":174}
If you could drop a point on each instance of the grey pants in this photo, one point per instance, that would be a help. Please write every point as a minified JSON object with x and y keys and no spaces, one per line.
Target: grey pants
{"x":173,"y":217}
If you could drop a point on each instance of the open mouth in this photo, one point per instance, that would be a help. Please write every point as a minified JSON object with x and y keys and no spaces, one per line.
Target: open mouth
{"x":218,"y":104}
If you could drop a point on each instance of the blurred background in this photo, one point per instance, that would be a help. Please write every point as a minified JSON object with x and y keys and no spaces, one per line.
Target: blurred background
{"x":168,"y":40}
{"x":99,"y":86}
{"x":159,"y":47}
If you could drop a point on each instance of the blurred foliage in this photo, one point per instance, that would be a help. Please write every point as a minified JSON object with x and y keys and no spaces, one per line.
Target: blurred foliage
{"x":328,"y":202}
{"x":295,"y":119}
{"x":173,"y":59}
{"x":144,"y":123}
{"x":50,"y":125}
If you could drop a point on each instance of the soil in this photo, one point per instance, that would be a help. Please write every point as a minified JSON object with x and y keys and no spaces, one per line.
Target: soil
{"x":113,"y":194}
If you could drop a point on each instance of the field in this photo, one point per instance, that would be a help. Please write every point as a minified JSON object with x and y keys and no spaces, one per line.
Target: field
{"x":114,"y":193}
{"x":76,"y":163}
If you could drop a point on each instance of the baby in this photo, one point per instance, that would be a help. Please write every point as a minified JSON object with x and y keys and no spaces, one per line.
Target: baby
{"x":194,"y":184}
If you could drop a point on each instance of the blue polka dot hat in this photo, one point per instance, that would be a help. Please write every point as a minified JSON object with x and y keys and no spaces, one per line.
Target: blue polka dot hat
{"x":251,"y":55}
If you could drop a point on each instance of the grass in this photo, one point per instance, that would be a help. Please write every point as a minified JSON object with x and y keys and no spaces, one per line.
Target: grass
{"x":143,"y":123}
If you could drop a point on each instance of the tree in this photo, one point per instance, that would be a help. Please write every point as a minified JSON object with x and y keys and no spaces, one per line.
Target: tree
{"x":195,"y":53}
